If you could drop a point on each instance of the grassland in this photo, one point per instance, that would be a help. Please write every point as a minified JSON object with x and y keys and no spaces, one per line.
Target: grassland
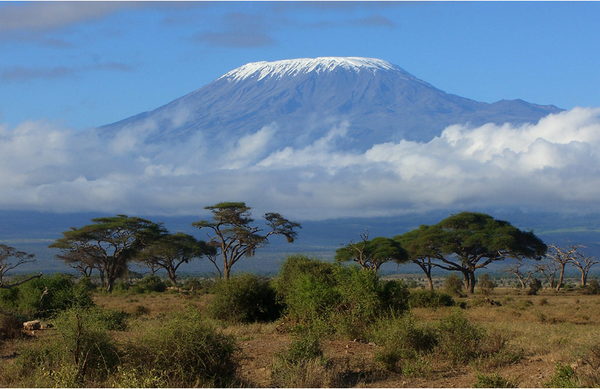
{"x":540,"y":334}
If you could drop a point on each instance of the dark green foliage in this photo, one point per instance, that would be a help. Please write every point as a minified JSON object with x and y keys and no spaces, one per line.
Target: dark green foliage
{"x":534,"y":287}
{"x":429,"y":299}
{"x":45,"y":296}
{"x":371,"y":254}
{"x":184,"y":351}
{"x":395,"y":294}
{"x":454,"y":285}
{"x":244,"y":299}
{"x":199,"y":286}
{"x":302,"y":349}
{"x":493,"y":380}
{"x":149,"y":284}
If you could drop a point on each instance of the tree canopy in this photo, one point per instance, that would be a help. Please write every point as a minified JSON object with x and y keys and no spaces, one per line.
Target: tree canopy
{"x":468,"y":241}
{"x":234,"y":236}
{"x":371,"y":254}
{"x":8,"y":252}
{"x":108,"y":244}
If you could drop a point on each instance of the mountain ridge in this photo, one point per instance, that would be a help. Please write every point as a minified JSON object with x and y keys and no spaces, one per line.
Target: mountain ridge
{"x":383,"y":104}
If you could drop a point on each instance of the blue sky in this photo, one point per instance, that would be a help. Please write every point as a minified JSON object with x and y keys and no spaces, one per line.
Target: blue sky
{"x":68,"y":67}
{"x":87,"y":64}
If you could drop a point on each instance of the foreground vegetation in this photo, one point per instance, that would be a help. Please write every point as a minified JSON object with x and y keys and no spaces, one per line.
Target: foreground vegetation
{"x":317,"y":324}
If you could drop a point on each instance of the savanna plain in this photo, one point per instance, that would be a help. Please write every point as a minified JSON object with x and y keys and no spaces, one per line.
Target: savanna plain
{"x":317,"y":324}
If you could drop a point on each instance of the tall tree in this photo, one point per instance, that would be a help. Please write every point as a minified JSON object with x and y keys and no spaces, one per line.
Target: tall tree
{"x":234,"y":236}
{"x":473,"y":240}
{"x":170,"y":251}
{"x":110,"y":242}
{"x":424,"y":247}
{"x":371,"y":254}
{"x":21,"y":257}
{"x":561,"y":256}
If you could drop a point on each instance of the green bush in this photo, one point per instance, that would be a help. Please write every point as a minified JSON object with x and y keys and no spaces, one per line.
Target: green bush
{"x":149,"y":284}
{"x":183,"y":351}
{"x":458,"y":339}
{"x":534,"y":287}
{"x":400,"y":339}
{"x":83,"y":355}
{"x":454,"y":286}
{"x":45,"y":296}
{"x":331,"y":298}
{"x":244,"y":299}
{"x":302,"y":365}
{"x":563,"y":377}
{"x":592,"y":287}
{"x":486,"y":284}
{"x":429,"y":299}
{"x":199,"y":286}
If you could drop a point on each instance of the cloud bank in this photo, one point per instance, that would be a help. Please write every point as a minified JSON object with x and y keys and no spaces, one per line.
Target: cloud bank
{"x":552,"y":165}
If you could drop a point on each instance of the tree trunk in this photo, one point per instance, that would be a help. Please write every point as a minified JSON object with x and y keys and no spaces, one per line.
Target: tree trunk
{"x":430,"y":282}
{"x":560,"y":278}
{"x":472,"y":282}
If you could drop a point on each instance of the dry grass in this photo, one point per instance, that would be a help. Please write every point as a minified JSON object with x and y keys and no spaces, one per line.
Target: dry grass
{"x":545,"y":329}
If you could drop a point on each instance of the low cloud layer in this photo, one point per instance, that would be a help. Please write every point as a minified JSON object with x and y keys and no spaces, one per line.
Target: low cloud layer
{"x":551,"y":165}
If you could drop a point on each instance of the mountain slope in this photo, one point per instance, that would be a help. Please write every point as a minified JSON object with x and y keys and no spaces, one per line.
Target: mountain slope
{"x":304,"y":98}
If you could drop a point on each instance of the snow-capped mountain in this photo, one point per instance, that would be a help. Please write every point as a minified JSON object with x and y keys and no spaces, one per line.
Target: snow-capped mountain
{"x":304,"y":98}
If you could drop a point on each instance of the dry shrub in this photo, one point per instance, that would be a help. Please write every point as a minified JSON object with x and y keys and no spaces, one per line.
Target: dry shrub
{"x":10,"y":326}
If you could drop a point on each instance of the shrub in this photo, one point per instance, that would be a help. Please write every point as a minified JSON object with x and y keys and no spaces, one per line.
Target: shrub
{"x":399,"y":338}
{"x":10,"y":326}
{"x":563,"y":377}
{"x":45,"y":296}
{"x":429,"y":299}
{"x":302,"y":365}
{"x":534,"y":287}
{"x":244,"y":299}
{"x":199,"y":286}
{"x":149,"y":284}
{"x":454,"y":286}
{"x":486,"y":284}
{"x":493,"y":380}
{"x":83,"y":354}
{"x":592,"y":287}
{"x":458,"y":339}
{"x":331,"y":298}
{"x":184,"y":351}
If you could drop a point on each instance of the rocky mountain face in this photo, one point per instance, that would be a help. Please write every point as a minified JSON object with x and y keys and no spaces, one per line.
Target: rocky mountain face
{"x":302,"y":99}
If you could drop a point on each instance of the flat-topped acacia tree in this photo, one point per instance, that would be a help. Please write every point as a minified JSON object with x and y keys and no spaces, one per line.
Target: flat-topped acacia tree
{"x":109,"y":243}
{"x":6,"y":253}
{"x":234,"y":236}
{"x":472,"y":240}
{"x":371,"y":254}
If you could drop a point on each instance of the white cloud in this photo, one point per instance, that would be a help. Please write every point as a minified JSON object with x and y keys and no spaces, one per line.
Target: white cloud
{"x":552,"y":165}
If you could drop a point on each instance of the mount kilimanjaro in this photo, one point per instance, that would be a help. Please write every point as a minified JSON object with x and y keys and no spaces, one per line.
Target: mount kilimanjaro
{"x":304,"y":98}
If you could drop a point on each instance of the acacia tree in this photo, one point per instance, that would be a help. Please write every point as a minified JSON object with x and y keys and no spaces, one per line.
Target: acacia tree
{"x":549,"y":269}
{"x":170,"y":251}
{"x":523,"y":275}
{"x":109,"y":242}
{"x":584,"y":264}
{"x":561,"y":256}
{"x":423,"y":246}
{"x":473,"y":240}
{"x":371,"y":254}
{"x":234,"y":236}
{"x":7,"y":252}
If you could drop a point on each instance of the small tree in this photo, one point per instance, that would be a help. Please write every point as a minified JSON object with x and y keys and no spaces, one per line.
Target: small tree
{"x":534,"y":286}
{"x":548,"y":269}
{"x":111,"y":242}
{"x":371,"y":254}
{"x":454,"y":285}
{"x":486,"y":284}
{"x":170,"y":251}
{"x":523,"y":275}
{"x":7,"y":252}
{"x":234,"y":236}
{"x":561,"y":257}
{"x":423,"y":245}
{"x":584,"y":264}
